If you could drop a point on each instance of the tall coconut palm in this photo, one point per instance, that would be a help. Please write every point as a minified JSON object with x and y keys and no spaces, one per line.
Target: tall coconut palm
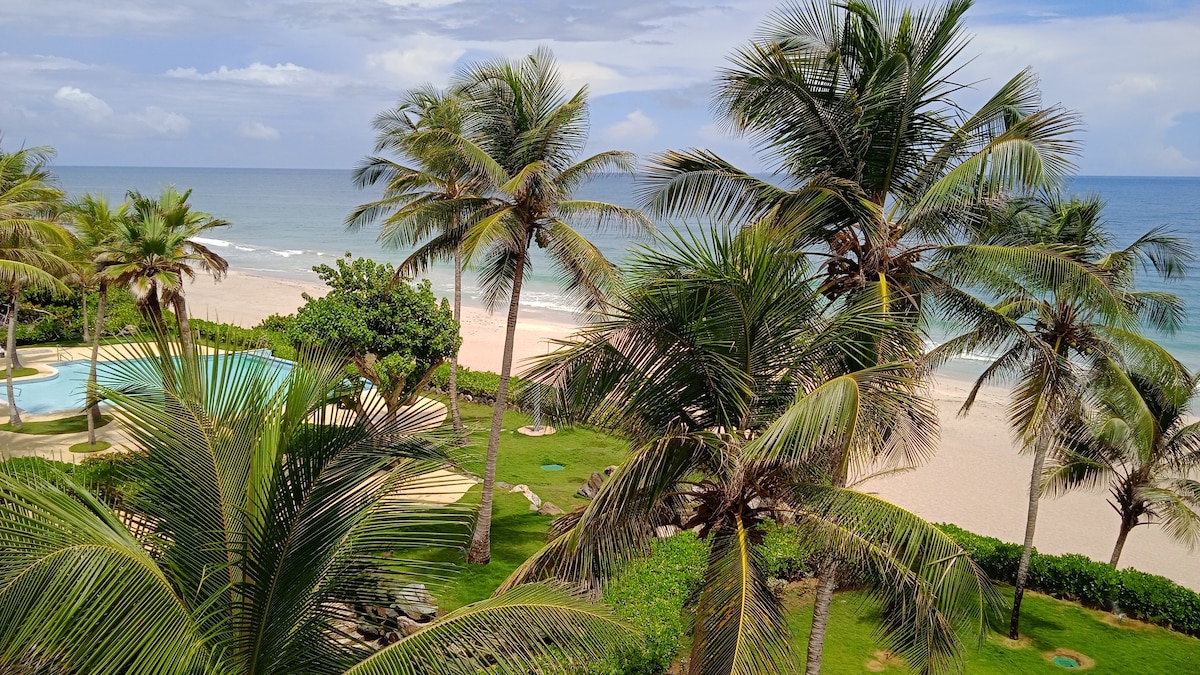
{"x":30,"y":239}
{"x":260,"y":526}
{"x":728,"y":369}
{"x":1138,"y":443}
{"x":94,"y":223}
{"x":155,"y":250}
{"x":853,"y":107}
{"x":415,"y":198}
{"x":1053,"y":337}
{"x":879,"y":171}
{"x":524,"y":134}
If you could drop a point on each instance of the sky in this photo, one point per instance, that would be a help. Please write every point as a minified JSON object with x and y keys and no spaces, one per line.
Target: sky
{"x":295,"y":83}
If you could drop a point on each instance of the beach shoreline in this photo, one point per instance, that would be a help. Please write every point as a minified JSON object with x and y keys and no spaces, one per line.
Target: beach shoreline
{"x":977,"y":479}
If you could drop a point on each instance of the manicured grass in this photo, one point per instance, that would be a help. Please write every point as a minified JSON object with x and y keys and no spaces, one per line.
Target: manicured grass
{"x":19,"y":372}
{"x":518,"y":532}
{"x":86,"y":447}
{"x":64,"y":425}
{"x":1048,"y":624}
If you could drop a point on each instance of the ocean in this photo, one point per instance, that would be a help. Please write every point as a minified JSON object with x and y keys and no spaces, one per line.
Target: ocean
{"x":287,"y":221}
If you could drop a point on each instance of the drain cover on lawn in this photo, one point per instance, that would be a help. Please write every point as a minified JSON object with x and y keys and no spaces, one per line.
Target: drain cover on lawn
{"x":1065,"y":662}
{"x":553,"y":467}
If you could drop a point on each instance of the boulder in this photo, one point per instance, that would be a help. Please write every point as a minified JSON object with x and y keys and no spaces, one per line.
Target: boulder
{"x":416,"y":602}
{"x":609,"y":470}
{"x":550,"y":509}
{"x":501,"y":485}
{"x":591,"y":487}
{"x":407,"y":626}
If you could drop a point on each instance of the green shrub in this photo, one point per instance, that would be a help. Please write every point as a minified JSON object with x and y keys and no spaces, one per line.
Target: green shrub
{"x":651,"y":594}
{"x":1095,"y":584}
{"x":479,"y":384}
{"x":244,"y":338}
{"x":789,"y":555}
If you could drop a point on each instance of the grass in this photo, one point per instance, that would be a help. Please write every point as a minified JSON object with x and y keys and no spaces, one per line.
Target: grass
{"x":850,"y":645}
{"x":86,"y":447}
{"x":19,"y":372}
{"x":63,"y":425}
{"x":518,"y":532}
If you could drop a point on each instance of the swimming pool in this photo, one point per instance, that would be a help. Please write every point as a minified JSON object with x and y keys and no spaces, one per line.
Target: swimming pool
{"x":67,"y":390}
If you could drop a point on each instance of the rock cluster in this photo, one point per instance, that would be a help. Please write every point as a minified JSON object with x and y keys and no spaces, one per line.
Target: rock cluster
{"x":412,"y":607}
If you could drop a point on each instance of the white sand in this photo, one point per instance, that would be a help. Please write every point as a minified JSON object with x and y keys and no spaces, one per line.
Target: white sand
{"x":978,"y":480}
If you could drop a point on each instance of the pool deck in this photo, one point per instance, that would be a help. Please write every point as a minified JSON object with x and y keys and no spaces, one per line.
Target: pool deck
{"x":438,"y":487}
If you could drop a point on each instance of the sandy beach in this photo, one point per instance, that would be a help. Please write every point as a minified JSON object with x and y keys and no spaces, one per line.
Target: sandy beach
{"x":977,"y":480}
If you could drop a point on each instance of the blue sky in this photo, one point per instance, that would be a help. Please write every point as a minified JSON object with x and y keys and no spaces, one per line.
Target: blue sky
{"x":294,"y":83}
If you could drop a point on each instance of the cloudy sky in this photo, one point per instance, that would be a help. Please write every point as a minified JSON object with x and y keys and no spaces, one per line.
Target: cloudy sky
{"x":294,"y":83}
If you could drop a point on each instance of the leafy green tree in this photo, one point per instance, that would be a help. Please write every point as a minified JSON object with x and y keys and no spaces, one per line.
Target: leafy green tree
{"x":258,"y":524}
{"x":1140,"y":444}
{"x":154,"y":249}
{"x":435,"y":194}
{"x":30,"y":241}
{"x":394,"y":334}
{"x":523,"y":134}
{"x":1054,"y":336}
{"x":727,"y":368}
{"x":94,"y":223}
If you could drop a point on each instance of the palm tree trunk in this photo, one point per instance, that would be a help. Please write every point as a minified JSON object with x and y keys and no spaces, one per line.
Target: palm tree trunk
{"x":86,"y":333}
{"x":481,"y":542}
{"x":826,"y":584}
{"x":1126,"y":528}
{"x":455,"y":414}
{"x":181,"y":317}
{"x":1035,"y":497}
{"x":93,"y":403}
{"x":14,"y":415}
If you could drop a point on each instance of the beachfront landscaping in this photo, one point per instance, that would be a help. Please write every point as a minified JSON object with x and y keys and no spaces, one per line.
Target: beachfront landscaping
{"x":733,"y":384}
{"x":72,"y":424}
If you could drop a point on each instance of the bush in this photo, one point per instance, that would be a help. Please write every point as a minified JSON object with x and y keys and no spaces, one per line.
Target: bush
{"x":651,"y":594}
{"x":479,"y":384}
{"x":1094,"y":584}
{"x":245,"y":338}
{"x":788,"y":554}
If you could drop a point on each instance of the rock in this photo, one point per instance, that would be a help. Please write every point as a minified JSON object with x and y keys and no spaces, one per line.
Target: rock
{"x":416,"y":602}
{"x":501,"y":485}
{"x":535,"y":502}
{"x":609,"y":470}
{"x":369,"y":632}
{"x":550,"y":509}
{"x":665,"y":531}
{"x":591,"y":487}
{"x":407,"y":626}
{"x":521,"y":487}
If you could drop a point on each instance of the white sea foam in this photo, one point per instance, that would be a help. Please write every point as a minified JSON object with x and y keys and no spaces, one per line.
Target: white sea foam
{"x":288,"y":253}
{"x":244,"y":248}
{"x":220,"y":243}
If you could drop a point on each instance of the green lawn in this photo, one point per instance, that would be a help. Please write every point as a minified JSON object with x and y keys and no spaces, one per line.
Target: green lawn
{"x":1050,"y":624}
{"x":63,"y":425}
{"x":85,"y":447}
{"x":517,"y":532}
{"x":19,"y":372}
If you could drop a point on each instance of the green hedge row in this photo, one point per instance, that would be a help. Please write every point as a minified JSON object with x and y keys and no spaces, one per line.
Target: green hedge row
{"x":225,"y":334}
{"x":1095,"y":584}
{"x":480,"y":385}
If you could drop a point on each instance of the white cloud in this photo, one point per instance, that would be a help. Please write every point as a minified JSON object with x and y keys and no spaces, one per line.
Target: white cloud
{"x":98,"y":114}
{"x":258,"y":131}
{"x":635,"y":127}
{"x":278,"y":75}
{"x":423,"y":58}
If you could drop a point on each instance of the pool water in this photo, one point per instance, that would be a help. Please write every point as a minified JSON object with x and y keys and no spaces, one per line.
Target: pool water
{"x":68,"y":389}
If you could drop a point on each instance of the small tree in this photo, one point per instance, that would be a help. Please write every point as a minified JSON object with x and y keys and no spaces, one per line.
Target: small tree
{"x":393,"y":334}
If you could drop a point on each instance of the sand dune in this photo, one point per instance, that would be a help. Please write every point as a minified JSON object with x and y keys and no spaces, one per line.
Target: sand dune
{"x":977,"y":480}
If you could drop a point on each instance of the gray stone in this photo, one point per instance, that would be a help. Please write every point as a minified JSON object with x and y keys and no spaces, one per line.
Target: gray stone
{"x":609,"y":470}
{"x":501,"y":485}
{"x":550,"y":509}
{"x":416,"y":602}
{"x":591,"y":487}
{"x":407,"y":626}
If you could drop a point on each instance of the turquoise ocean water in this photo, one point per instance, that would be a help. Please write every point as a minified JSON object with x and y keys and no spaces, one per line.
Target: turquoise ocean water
{"x":287,"y":221}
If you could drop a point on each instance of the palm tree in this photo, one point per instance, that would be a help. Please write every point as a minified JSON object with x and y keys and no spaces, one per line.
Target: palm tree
{"x":30,"y":238}
{"x":1054,"y":336}
{"x":261,"y":520}
{"x":94,"y":224}
{"x":852,"y":107}
{"x":156,"y":248}
{"x":879,"y":172}
{"x":415,"y":197}
{"x":728,"y":369}
{"x":1140,"y":444}
{"x":523,"y":135}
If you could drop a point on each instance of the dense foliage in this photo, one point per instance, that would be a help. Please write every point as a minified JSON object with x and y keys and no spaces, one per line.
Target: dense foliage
{"x":1136,"y":594}
{"x":392,"y":332}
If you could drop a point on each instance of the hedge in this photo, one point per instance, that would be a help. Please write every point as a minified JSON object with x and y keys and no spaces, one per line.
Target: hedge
{"x":1148,"y":597}
{"x":478,"y":384}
